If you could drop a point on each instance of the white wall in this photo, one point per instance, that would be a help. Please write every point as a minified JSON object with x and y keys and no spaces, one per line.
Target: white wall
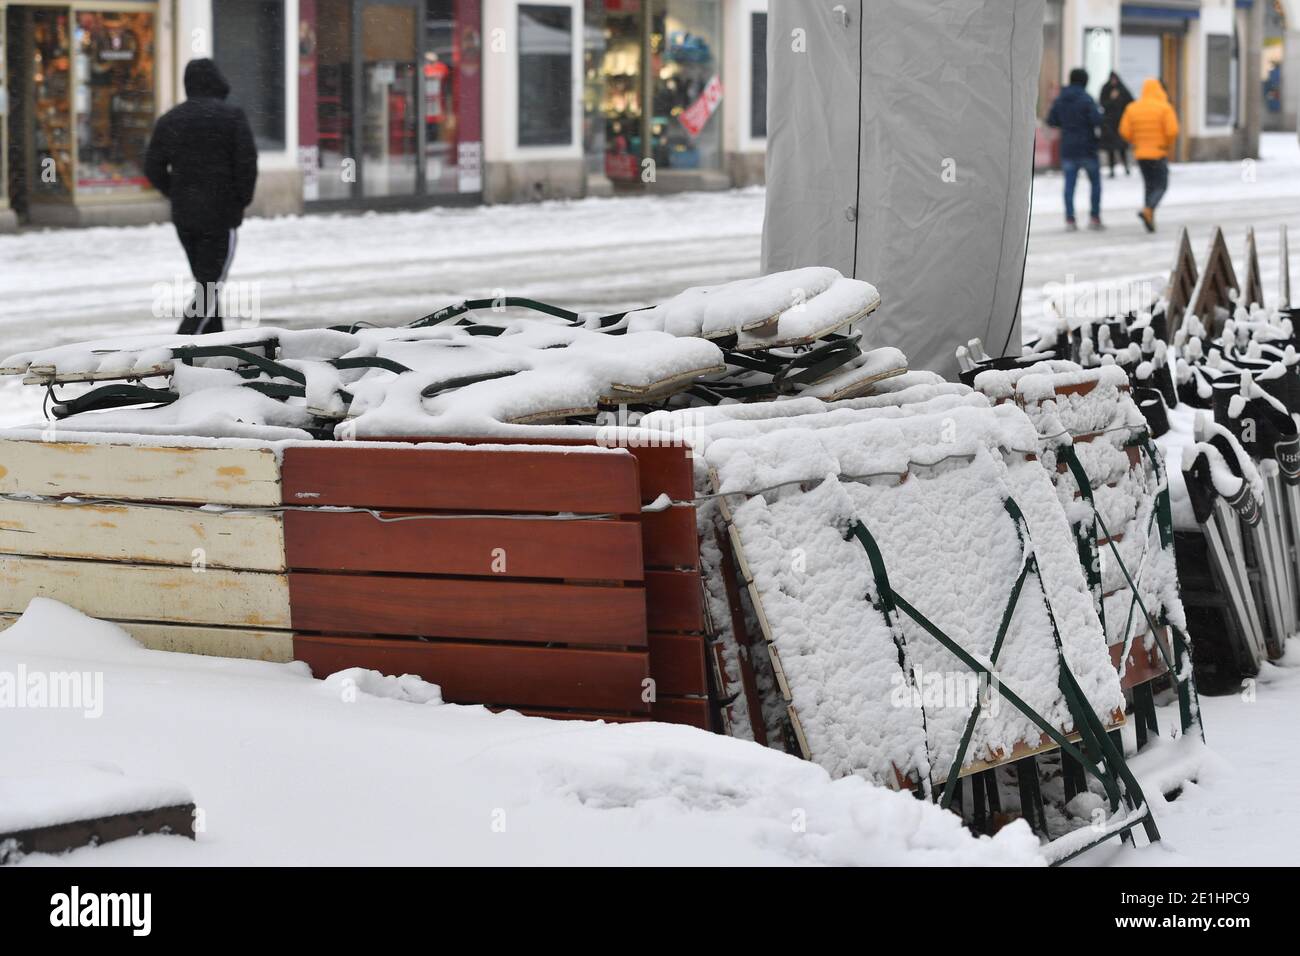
{"x":501,"y":85}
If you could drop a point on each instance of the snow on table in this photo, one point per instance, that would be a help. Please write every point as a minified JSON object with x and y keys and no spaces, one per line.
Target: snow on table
{"x":950,"y":548}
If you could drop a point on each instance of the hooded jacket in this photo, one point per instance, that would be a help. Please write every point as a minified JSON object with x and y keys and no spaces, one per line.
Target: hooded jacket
{"x":1076,"y":114}
{"x":202,"y":156}
{"x":1149,"y":122}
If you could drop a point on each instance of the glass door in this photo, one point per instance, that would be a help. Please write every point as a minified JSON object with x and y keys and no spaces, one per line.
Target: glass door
{"x":389,"y":89}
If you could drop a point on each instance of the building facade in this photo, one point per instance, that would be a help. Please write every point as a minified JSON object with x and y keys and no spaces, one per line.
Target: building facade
{"x":381,"y":103}
{"x":1207,"y":53}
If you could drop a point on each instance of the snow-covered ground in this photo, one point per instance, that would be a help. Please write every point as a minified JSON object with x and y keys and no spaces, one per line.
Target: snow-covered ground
{"x":287,"y":770}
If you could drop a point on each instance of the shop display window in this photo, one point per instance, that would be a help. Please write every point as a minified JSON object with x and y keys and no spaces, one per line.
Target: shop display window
{"x":654,"y":79}
{"x":51,"y":131}
{"x":684,"y":41}
{"x":620,"y":89}
{"x":114,"y":100}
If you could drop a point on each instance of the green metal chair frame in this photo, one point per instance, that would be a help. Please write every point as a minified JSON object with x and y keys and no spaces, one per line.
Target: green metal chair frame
{"x":1097,"y":755}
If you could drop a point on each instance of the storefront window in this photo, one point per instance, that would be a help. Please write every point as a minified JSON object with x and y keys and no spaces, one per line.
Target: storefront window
{"x":1218,"y":80}
{"x":405,"y":95}
{"x":593,"y":87}
{"x":685,"y":43}
{"x":620,"y":92}
{"x":248,"y":45}
{"x":545,"y":75}
{"x":115,"y":100}
{"x":51,"y":130}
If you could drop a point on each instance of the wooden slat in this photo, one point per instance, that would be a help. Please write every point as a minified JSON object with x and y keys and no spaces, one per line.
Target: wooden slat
{"x":134,"y":533}
{"x":671,"y":538}
{"x":436,"y":479}
{"x":235,"y":476}
{"x":674,"y":601}
{"x":1143,"y":665}
{"x":493,"y":673}
{"x":138,"y":592}
{"x":683,"y":710}
{"x":477,"y":610}
{"x":274,"y":646}
{"x":663,"y":469}
{"x":497,"y":547}
{"x":677,"y":664}
{"x":607,"y":716}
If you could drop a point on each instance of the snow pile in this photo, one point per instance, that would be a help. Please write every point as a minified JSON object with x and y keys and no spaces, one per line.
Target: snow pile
{"x":370,"y":779}
{"x":48,"y":795}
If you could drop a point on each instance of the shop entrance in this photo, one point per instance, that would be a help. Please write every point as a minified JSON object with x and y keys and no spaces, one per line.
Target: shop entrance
{"x":79,"y":87}
{"x":388,"y":99}
{"x":1149,"y":51}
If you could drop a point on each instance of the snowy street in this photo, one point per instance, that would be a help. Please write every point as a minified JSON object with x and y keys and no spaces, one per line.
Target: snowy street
{"x":598,"y":254}
{"x":246,"y":736}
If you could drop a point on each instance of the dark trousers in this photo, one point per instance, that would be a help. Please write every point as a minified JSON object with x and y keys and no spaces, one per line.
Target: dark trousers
{"x":1071,"y":169}
{"x":210,"y":253}
{"x":1122,"y":153}
{"x":1155,"y":179}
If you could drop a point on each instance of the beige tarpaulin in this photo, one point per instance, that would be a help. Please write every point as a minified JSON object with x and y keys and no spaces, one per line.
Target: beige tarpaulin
{"x":900,"y":151}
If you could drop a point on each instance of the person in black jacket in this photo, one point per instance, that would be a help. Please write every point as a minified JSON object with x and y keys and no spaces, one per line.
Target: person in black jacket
{"x":1077,"y":116}
{"x":1115,"y":98}
{"x":202,"y":157}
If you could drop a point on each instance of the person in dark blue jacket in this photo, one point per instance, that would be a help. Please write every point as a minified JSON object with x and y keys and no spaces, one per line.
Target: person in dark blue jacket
{"x":1077,"y":116}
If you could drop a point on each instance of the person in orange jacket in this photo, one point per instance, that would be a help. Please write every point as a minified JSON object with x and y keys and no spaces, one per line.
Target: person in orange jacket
{"x":1151,"y":125}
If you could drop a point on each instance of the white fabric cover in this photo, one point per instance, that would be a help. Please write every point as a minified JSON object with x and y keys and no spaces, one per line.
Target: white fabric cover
{"x":885,"y":97}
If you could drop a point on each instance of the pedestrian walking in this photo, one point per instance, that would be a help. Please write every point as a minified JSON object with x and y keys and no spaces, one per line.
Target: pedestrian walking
{"x":1076,"y":114}
{"x":1115,"y":98}
{"x":202,"y":157}
{"x":1151,"y":125}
